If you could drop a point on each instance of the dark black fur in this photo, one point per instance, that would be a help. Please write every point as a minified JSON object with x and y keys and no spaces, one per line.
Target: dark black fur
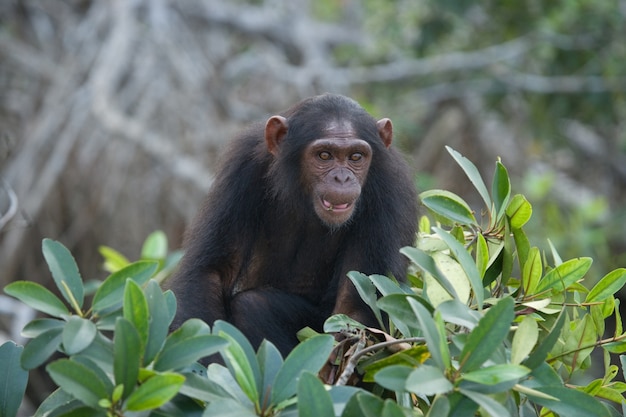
{"x":259,"y":257}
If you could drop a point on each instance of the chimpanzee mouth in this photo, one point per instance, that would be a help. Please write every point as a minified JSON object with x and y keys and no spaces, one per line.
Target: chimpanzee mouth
{"x":335,"y":207}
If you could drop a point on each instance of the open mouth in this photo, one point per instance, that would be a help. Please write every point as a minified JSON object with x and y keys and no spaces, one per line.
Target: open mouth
{"x":335,"y":207}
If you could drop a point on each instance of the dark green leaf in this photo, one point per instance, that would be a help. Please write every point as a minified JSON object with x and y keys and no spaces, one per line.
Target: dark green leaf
{"x":79,"y":380}
{"x":607,"y":286}
{"x":401,"y":313}
{"x":522,"y":245}
{"x":13,"y":379}
{"x":110,"y":294}
{"x":565,"y":274}
{"x":436,"y":342}
{"x":160,"y":321}
{"x":270,"y":361}
{"x":313,"y":400}
{"x":472,"y":173}
{"x":38,"y":297}
{"x":487,"y":337}
{"x":309,"y":355}
{"x":501,"y":190}
{"x":126,"y":355}
{"x":491,"y":406}
{"x":155,"y":392}
{"x":38,"y":350}
{"x":65,"y":272}
{"x":78,"y":334}
{"x":136,"y":310}
{"x":55,"y":402}
{"x":570,"y":402}
{"x":449,"y":206}
{"x":367,"y":291}
{"x":497,"y":374}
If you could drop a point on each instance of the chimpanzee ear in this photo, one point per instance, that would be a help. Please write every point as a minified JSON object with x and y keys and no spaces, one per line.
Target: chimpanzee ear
{"x":385,"y":131}
{"x":275,"y":131}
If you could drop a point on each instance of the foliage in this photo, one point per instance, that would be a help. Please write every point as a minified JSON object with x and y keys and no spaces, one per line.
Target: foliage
{"x":486,"y":325}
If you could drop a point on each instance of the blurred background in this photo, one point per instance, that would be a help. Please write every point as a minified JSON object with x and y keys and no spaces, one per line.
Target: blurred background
{"x":113,"y":113}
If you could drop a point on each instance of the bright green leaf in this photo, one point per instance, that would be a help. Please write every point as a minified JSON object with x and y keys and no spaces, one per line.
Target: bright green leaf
{"x":449,"y":206}
{"x":113,"y":260}
{"x":488,"y":335}
{"x":519,"y":211}
{"x":497,"y":374}
{"x":111,"y":292}
{"x":454,"y":273}
{"x":565,"y":274}
{"x":524,"y":340}
{"x":313,"y":399}
{"x":607,"y":286}
{"x":79,"y":380}
{"x":38,"y":297}
{"x":466,"y":261}
{"x":155,"y":392}
{"x":533,"y":270}
{"x":482,"y":255}
{"x":427,"y":264}
{"x":13,"y":379}
{"x":78,"y":334}
{"x":64,"y":271}
{"x":155,"y":246}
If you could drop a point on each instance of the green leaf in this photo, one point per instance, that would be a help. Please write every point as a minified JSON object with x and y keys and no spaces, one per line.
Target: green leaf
{"x":482,"y":255}
{"x":38,"y":326}
{"x":454,"y":273}
{"x":126,"y":355}
{"x":570,"y":402}
{"x":437,"y":344}
{"x":241,"y":368}
{"x":155,"y":246}
{"x":393,"y":377}
{"x":313,"y":399}
{"x":113,"y":260}
{"x":488,"y":336}
{"x":519,"y":211}
{"x":491,"y":406}
{"x":110,"y":294}
{"x":270,"y":362}
{"x":310,"y":356}
{"x":136,"y":310}
{"x":38,"y":297}
{"x":497,"y":374}
{"x":401,"y":313}
{"x":427,"y":264}
{"x":565,"y":275}
{"x":522,"y":245}
{"x":472,"y":173}
{"x":65,"y":272}
{"x":449,"y":206}
{"x":540,"y":354}
{"x":228,"y":407}
{"x":190,"y":350}
{"x":79,"y":380}
{"x":367,"y":291}
{"x":466,"y":261}
{"x":155,"y":392}
{"x":13,"y":379}
{"x":533,"y":270}
{"x":524,"y":340}
{"x":428,"y":380}
{"x":458,"y":313}
{"x":160,"y":321}
{"x":607,"y":286}
{"x":500,"y":190}
{"x":78,"y":334}
{"x":38,"y":350}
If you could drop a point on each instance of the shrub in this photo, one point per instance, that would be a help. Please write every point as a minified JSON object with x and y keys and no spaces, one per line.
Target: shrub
{"x":486,"y":325}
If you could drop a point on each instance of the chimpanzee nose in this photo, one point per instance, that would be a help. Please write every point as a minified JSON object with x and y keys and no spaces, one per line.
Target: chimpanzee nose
{"x":342,"y":175}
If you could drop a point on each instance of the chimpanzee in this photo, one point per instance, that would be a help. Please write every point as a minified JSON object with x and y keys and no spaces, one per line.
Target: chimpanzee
{"x":298,"y":202}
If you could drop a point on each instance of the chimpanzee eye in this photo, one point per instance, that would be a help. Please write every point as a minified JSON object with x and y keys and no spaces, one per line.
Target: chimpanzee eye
{"x":324,"y":156}
{"x":356,"y":157}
